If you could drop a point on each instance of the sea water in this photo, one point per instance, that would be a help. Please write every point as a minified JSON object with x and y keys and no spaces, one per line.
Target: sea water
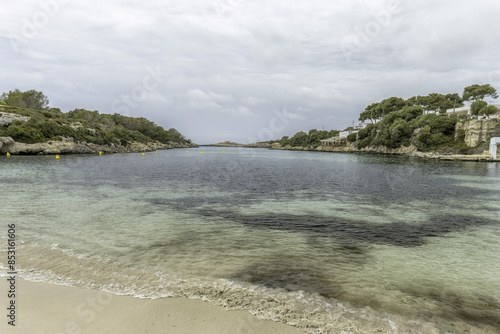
{"x":329,"y":243}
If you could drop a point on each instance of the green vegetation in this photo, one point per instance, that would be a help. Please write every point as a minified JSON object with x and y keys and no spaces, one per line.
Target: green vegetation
{"x":228,"y":143}
{"x":30,"y":99}
{"x":479,"y":92}
{"x":80,"y":124}
{"x":482,"y":108}
{"x":420,"y":120}
{"x":382,"y":108}
{"x":433,"y":102}
{"x":427,"y":132}
{"x":302,"y":139}
{"x":407,"y":123}
{"x":352,"y":137}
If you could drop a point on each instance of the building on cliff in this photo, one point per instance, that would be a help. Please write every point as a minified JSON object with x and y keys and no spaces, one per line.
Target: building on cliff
{"x":465,"y":110}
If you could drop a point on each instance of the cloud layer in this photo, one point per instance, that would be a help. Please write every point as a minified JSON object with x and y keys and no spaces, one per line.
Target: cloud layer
{"x":224,"y":69}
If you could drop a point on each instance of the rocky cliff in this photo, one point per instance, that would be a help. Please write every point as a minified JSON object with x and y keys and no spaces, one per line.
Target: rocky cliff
{"x":69,"y":146}
{"x":478,"y":131}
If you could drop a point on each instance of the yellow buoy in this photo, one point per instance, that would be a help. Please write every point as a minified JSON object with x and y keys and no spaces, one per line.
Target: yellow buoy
{"x":100,"y":153}
{"x":8,"y":154}
{"x":57,"y":157}
{"x":143,"y":154}
{"x":201,"y":153}
{"x":236,"y":151}
{"x":187,"y":151}
{"x":156,"y":152}
{"x":223,"y":152}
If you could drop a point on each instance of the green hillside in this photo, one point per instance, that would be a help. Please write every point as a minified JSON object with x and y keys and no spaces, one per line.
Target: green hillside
{"x":82,"y":125}
{"x":422,"y":121}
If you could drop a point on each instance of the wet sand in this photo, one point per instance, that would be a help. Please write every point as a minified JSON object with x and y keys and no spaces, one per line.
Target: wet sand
{"x":46,"y":308}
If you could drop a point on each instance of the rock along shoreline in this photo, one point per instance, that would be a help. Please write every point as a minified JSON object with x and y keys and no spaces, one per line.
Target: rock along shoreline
{"x":408,"y":151}
{"x":69,"y":146}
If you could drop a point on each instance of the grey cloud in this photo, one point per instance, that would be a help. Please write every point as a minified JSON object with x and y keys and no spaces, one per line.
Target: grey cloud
{"x":228,"y":65}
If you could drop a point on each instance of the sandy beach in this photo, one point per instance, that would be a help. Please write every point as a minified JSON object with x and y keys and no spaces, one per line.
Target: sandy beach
{"x":45,"y":308}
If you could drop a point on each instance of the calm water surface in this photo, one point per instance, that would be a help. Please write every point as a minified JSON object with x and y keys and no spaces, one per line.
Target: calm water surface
{"x":329,"y":243}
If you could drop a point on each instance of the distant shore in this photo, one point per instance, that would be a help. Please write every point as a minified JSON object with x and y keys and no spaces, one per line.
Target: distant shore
{"x":225,"y":144}
{"x":47,"y":308}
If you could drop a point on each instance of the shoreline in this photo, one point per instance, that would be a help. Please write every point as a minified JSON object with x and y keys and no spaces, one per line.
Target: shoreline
{"x":410,"y":152}
{"x":69,"y":146}
{"x":50,"y":308}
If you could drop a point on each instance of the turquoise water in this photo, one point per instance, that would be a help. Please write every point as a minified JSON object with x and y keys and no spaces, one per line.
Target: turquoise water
{"x":329,"y":243}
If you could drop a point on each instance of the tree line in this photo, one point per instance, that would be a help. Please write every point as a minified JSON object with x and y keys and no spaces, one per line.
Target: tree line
{"x":405,"y":122}
{"x":397,"y":122}
{"x":83,"y":125}
{"x":311,"y":139}
{"x":435,"y":102}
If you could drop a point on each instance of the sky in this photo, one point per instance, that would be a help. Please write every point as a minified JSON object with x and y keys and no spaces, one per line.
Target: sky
{"x":241,"y":70}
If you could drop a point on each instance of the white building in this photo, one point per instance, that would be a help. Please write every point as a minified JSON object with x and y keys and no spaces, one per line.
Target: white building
{"x":465,"y":110}
{"x":494,"y":141}
{"x":341,"y":139}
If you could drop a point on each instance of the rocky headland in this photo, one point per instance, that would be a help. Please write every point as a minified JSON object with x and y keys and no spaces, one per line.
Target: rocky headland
{"x":70,"y":146}
{"x":477,"y":135}
{"x":49,"y":131}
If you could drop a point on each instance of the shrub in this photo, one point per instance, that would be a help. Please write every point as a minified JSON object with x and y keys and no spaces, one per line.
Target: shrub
{"x":364,"y":142}
{"x":352,"y":137}
{"x":477,"y":106}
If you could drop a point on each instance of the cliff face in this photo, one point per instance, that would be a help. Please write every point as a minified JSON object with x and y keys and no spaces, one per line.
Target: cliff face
{"x":69,"y":146}
{"x":478,"y":130}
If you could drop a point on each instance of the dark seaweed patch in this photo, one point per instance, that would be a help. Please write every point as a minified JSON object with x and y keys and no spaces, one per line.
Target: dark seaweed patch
{"x":395,"y":233}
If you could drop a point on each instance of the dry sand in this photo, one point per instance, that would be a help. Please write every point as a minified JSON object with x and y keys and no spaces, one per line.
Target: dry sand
{"x":45,"y":308}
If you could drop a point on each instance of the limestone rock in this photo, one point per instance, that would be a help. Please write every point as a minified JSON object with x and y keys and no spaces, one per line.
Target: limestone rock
{"x":69,"y":146}
{"x":276,"y":146}
{"x":5,"y":144}
{"x":8,"y":118}
{"x":478,"y":131}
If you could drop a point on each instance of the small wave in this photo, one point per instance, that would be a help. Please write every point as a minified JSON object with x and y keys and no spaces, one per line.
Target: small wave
{"x":310,"y":312}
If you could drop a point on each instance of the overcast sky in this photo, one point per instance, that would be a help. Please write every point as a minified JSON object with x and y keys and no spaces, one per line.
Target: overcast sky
{"x":245,"y":70}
